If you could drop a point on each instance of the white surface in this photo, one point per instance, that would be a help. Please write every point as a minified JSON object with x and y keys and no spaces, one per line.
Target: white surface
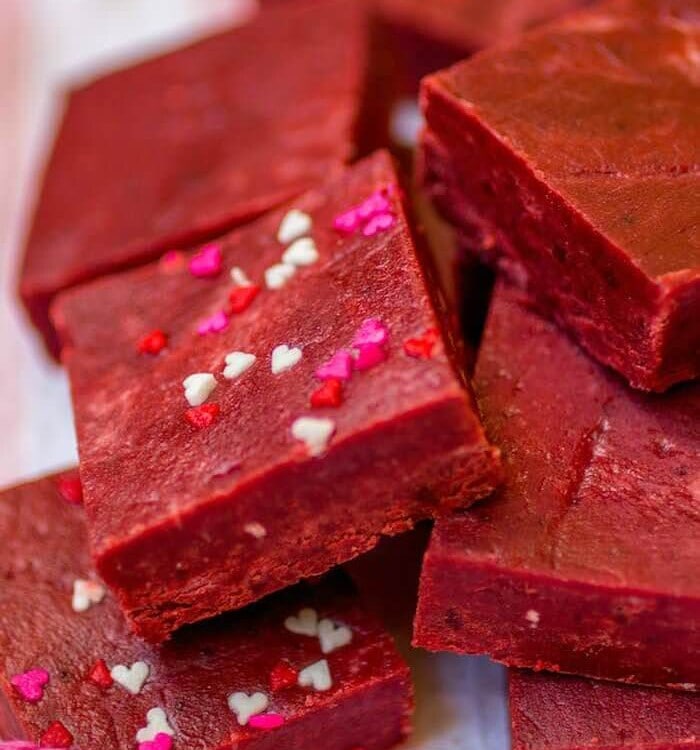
{"x":460,"y":701}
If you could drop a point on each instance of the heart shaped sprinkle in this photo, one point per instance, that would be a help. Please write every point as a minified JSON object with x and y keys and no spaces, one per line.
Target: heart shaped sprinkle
{"x":30,"y":685}
{"x":99,"y":674}
{"x":317,"y":676}
{"x":421,"y":347}
{"x":295,"y":224}
{"x":131,"y":678}
{"x":304,"y":623}
{"x":198,"y":387}
{"x":284,"y":358}
{"x":368,"y":356}
{"x":329,"y":394}
{"x":156,"y":723}
{"x":315,"y":433}
{"x":161,"y":741}
{"x":378,"y":224}
{"x":70,"y":488}
{"x":152,"y":343}
{"x":278,"y":275}
{"x":255,"y":529}
{"x":370,"y":215}
{"x":371,"y":331}
{"x":240,"y":277}
{"x":237,"y":363}
{"x":86,"y":593}
{"x":207,"y":262}
{"x":332,"y":636}
{"x":266,"y":721}
{"x":339,"y":367}
{"x":301,"y":253}
{"x":244,"y":706}
{"x":282,"y":676}
{"x":241,"y":298}
{"x":201,"y":417}
{"x":215,"y":324}
{"x":56,"y":736}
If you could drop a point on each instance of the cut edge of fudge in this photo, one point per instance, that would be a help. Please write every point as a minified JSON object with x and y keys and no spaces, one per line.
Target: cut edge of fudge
{"x":68,"y":688}
{"x":655,"y":348}
{"x":464,"y":467}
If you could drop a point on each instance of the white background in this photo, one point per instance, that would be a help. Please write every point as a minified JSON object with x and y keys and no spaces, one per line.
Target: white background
{"x":460,"y":701}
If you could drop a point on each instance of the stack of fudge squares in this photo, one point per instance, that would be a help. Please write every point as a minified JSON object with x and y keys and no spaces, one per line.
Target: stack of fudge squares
{"x":269,"y":375}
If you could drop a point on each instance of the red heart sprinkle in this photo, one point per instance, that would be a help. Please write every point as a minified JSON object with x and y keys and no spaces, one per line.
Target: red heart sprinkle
{"x":70,"y":488}
{"x":56,"y":735}
{"x":241,"y":298}
{"x":203,"y":416}
{"x":283,"y":676}
{"x":422,"y":347}
{"x":152,"y":343}
{"x":330,"y":393}
{"x":100,"y":675}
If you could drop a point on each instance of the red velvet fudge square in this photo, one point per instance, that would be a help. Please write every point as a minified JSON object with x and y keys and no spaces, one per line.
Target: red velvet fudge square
{"x":550,"y":712}
{"x":574,"y":156}
{"x":256,"y":413}
{"x":585,"y":561}
{"x":183,"y":146}
{"x":307,"y":668}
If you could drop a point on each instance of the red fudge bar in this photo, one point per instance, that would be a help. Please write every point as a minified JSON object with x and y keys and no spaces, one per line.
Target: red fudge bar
{"x":574,"y":155}
{"x":567,"y":713}
{"x":184,"y":146}
{"x":306,"y":668}
{"x":257,"y":413}
{"x":586,"y":560}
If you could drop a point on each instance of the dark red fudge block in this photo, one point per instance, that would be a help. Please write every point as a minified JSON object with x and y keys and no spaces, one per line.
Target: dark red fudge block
{"x":574,"y":156}
{"x":307,"y":668}
{"x":567,"y":713}
{"x":302,"y":438}
{"x":586,"y":560}
{"x":184,"y":146}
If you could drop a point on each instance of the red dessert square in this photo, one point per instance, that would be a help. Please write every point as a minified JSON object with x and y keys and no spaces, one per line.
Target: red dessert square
{"x":183,"y":146}
{"x":308,"y":668}
{"x":574,"y":156}
{"x":321,"y":364}
{"x":567,"y":713}
{"x":586,"y":560}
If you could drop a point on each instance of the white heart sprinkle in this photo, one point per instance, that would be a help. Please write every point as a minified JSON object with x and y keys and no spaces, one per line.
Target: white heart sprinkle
{"x":284,"y":358}
{"x":305,"y":623}
{"x":157,"y":723}
{"x":131,"y":678}
{"x":302,"y":252}
{"x":255,"y":529}
{"x":240,"y":277}
{"x":85,"y":594}
{"x":237,"y":363}
{"x":317,"y":676}
{"x":294,"y":225}
{"x":314,"y":432}
{"x":278,"y":275}
{"x":198,"y":387}
{"x":332,"y":636}
{"x":245,"y":706}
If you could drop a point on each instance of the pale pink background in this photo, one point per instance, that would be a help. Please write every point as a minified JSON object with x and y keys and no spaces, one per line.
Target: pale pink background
{"x":42,"y":43}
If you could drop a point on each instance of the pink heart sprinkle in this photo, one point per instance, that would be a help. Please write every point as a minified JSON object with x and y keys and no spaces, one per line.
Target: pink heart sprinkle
{"x":372,"y":331}
{"x":207,"y":262}
{"x":30,"y":685}
{"x":347,"y":222}
{"x":161,"y":741}
{"x":339,"y":366}
{"x":377,"y":203}
{"x":379,"y":223}
{"x":217,"y":323}
{"x":266,"y":721}
{"x":368,"y":356}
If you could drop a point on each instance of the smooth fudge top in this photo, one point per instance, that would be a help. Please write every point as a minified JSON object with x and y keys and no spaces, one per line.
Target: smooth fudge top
{"x":71,"y":674}
{"x":611,"y":121}
{"x":188,"y":144}
{"x":276,"y":347}
{"x":602,"y":483}
{"x":567,"y":713}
